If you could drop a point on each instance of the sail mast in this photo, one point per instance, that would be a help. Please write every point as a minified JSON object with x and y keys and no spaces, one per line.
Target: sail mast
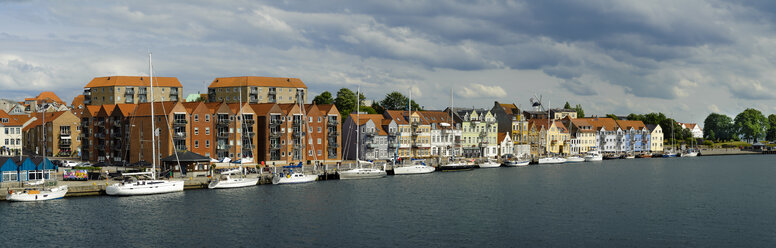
{"x":358,"y":126}
{"x":153,"y":126}
{"x":409,"y":119}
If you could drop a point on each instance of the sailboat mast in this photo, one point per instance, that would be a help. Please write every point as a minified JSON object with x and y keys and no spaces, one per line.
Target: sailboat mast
{"x":409,"y":118}
{"x":452,"y":127}
{"x":358,"y":126}
{"x":153,"y":126}
{"x":44,"y":145}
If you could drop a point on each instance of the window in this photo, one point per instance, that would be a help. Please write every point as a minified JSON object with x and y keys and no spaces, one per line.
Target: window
{"x":196,"y":117}
{"x":196,"y":131}
{"x":207,"y":143}
{"x":196,"y":144}
{"x":207,"y":118}
{"x":319,"y":119}
{"x":319,"y":130}
{"x":319,"y":141}
{"x":207,"y":131}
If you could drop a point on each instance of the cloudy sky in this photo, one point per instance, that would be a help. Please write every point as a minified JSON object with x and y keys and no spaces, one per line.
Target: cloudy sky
{"x":687,"y":58}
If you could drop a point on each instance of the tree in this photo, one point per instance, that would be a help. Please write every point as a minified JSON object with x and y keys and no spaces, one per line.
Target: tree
{"x":323,"y":98}
{"x":613,"y":116}
{"x":346,"y":102}
{"x":396,"y":101}
{"x":567,"y":106}
{"x":771,"y":134}
{"x":580,"y":112}
{"x":751,"y":124}
{"x":718,"y":127}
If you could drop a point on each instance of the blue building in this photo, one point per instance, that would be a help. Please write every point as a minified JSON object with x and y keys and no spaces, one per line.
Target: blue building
{"x":9,"y":170}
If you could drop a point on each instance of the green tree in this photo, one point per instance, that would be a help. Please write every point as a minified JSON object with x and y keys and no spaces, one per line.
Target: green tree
{"x":323,"y":98}
{"x":580,"y":111}
{"x":346,"y":102}
{"x":613,"y":116}
{"x":378,"y":109}
{"x":718,"y":127}
{"x":751,"y":124}
{"x":771,"y":135}
{"x":567,"y":106}
{"x":396,"y":101}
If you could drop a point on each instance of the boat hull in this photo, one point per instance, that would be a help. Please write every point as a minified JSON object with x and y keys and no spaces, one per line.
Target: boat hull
{"x":42,"y":195}
{"x":456,"y":167}
{"x":144,"y":187}
{"x":552,"y":160}
{"x":362,"y":174}
{"x":575,"y":159}
{"x":412,"y":170}
{"x":294,"y":179}
{"x":517,"y":163}
{"x":233,"y":183}
{"x":489,"y":165}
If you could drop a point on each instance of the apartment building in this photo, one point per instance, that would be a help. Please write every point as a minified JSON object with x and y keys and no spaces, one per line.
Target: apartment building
{"x":11,"y":133}
{"x":253,"y":89}
{"x":61,"y":134}
{"x":131,"y":89}
{"x":333,"y":130}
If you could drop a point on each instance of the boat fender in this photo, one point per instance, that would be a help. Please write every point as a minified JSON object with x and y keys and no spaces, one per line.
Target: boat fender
{"x":288,"y":176}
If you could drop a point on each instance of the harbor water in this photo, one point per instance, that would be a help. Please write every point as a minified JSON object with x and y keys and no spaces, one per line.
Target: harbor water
{"x":727,"y":201}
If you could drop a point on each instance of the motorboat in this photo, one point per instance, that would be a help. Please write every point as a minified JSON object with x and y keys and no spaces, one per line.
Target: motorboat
{"x":292,"y":176}
{"x":517,"y":163}
{"x":644,"y":155}
{"x":29,"y":195}
{"x":690,"y":154}
{"x":612,"y":156}
{"x":552,"y":160}
{"x":629,"y":156}
{"x":362,"y":173}
{"x":575,"y":159}
{"x":417,"y":167}
{"x":226,"y":181}
{"x":490,"y":163}
{"x":669,"y":155}
{"x":593,"y":156}
{"x":457,"y":166}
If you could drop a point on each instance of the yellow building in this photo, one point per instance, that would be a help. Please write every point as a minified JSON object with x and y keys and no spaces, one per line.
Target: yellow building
{"x":257,"y":90}
{"x":583,"y":135}
{"x":554,"y":134}
{"x":655,"y":138}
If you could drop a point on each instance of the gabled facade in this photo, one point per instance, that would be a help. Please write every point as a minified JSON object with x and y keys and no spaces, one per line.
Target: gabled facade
{"x":60,"y":136}
{"x":655,"y":138}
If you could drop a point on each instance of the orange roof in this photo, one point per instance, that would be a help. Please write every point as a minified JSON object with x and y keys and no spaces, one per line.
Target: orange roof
{"x":49,"y":95}
{"x":190,"y":106}
{"x":501,"y":137}
{"x":13,"y":120}
{"x":562,"y":127}
{"x":538,"y":123}
{"x":92,"y":109}
{"x":257,"y":81}
{"x":598,"y":122}
{"x":398,"y":116}
{"x":262,"y":108}
{"x":436,"y":117}
{"x":325,"y":108}
{"x":212,"y":106}
{"x":377,"y":119}
{"x":638,"y":125}
{"x":49,"y":116}
{"x":125,"y":108}
{"x":579,"y":123}
{"x":133,"y":81}
{"x":78,"y":100}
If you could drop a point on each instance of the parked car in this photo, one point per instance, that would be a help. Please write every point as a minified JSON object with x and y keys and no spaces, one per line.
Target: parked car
{"x":67,"y":163}
{"x":85,"y":164}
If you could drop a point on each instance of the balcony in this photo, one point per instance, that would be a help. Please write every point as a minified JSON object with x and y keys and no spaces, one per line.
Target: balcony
{"x":116,"y":147}
{"x":483,"y":134}
{"x":87,"y":92}
{"x":223,"y":147}
{"x":298,"y":134}
{"x":222,"y":135}
{"x":100,"y":123}
{"x":403,"y":146}
{"x":249,"y":122}
{"x":179,"y":135}
{"x":129,"y":91}
{"x":64,"y":133}
{"x":274,"y":134}
{"x":222,"y":122}
{"x":253,"y":90}
{"x":332,"y":132}
{"x":65,"y":142}
{"x":298,"y":145}
{"x":422,"y":145}
{"x":274,"y":122}
{"x":392,"y":145}
{"x":99,"y":135}
{"x":174,"y":98}
{"x":179,"y":122}
{"x":274,"y":146}
{"x":332,"y":122}
{"x":141,"y":91}
{"x":333,"y":144}
{"x":174,"y":91}
{"x":372,"y":146}
{"x":248,"y":133}
{"x":117,"y":123}
{"x":369,"y":133}
{"x":272,"y":91}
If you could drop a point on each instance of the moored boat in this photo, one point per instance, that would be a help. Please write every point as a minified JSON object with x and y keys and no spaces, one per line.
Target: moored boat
{"x":226,"y":181}
{"x":457,"y":166}
{"x":593,"y":156}
{"x":489,"y":163}
{"x":417,"y":167}
{"x":517,"y":163}
{"x":552,"y":160}
{"x":28,"y":195}
{"x":575,"y":159}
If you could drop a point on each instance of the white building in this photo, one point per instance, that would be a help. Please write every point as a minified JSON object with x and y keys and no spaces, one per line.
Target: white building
{"x":505,"y":145}
{"x":11,"y":133}
{"x":695,"y":129}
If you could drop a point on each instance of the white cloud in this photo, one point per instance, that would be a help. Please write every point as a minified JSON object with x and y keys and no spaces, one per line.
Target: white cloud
{"x":476,"y":90}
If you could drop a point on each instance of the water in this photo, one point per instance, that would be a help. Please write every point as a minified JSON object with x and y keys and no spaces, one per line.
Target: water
{"x":702,"y":202}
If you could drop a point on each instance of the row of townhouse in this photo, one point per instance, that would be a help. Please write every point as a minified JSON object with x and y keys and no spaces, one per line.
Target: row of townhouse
{"x":11,"y":133}
{"x":274,"y":134}
{"x":612,"y":136}
{"x":55,"y":133}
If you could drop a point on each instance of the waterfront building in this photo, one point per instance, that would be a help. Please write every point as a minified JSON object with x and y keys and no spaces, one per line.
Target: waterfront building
{"x":89,"y":131}
{"x":537,"y":137}
{"x":118,"y":134}
{"x":46,"y":101}
{"x":404,"y":135}
{"x":61,"y":136}
{"x":257,"y":90}
{"x":333,"y":130}
{"x":372,"y":139}
{"x":583,"y":135}
{"x":269,"y":121}
{"x":315,"y":128}
{"x":421,"y":135}
{"x":442,"y":133}
{"x":131,"y":89}
{"x":610,"y":136}
{"x":511,"y":120}
{"x":479,"y":132}
{"x":505,"y":145}
{"x":11,"y":133}
{"x":554,"y":136}
{"x":635,"y":133}
{"x":695,"y":129}
{"x":655,"y":138}
{"x":171,"y":125}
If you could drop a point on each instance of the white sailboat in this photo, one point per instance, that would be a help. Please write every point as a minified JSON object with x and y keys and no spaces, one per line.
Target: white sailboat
{"x":416,"y":166}
{"x":43,"y":193}
{"x":575,"y":159}
{"x":226,"y":181}
{"x":293,"y":176}
{"x":133,"y":186}
{"x":489,"y":163}
{"x":552,"y":160}
{"x":359,"y":172}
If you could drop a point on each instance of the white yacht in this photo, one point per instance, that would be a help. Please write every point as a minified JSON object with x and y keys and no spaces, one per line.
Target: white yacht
{"x":490,"y":163}
{"x":226,"y":181}
{"x":593,"y":156}
{"x":293,"y":176}
{"x":131,"y":185}
{"x":575,"y":159}
{"x":552,"y":160}
{"x":417,"y":167}
{"x":359,"y":172}
{"x":37,"y":195}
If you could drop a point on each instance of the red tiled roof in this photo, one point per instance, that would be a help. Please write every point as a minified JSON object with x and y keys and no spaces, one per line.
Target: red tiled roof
{"x":257,"y":81}
{"x":133,"y":81}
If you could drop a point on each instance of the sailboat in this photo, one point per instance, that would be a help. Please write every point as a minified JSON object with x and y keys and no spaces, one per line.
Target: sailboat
{"x":672,"y":153}
{"x":360,"y":172}
{"x":416,"y":166}
{"x":226,"y":181}
{"x":133,"y":186}
{"x":42,"y":194}
{"x":296,"y":176}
